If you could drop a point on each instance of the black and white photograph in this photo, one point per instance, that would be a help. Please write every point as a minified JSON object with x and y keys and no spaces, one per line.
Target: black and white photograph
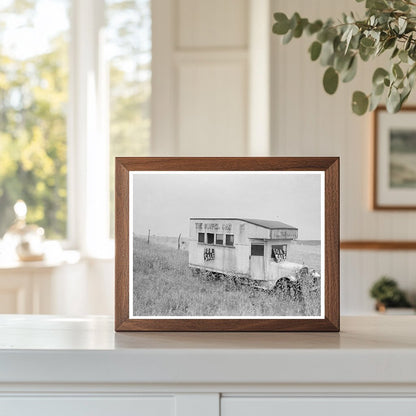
{"x":227,"y":244}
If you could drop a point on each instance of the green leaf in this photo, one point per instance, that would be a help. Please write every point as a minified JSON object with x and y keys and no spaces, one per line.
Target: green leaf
{"x":397,"y":71}
{"x":403,"y":56}
{"x":389,"y":43}
{"x":376,"y":4}
{"x":314,"y":27}
{"x":298,"y":30}
{"x":351,"y":71}
{"x":374,"y":102}
{"x":367,"y":42}
{"x":379,"y":75}
{"x":402,"y":24}
{"x":288,"y":37}
{"x":359,"y":103}
{"x":281,"y":27}
{"x":366,"y":53}
{"x":330,"y":80}
{"x":327,"y":53}
{"x":378,"y":89}
{"x":395,"y":52}
{"x":315,"y":50}
{"x":393,"y":101}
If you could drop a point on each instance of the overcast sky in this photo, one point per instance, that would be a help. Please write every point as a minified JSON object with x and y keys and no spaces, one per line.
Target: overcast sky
{"x":164,"y":202}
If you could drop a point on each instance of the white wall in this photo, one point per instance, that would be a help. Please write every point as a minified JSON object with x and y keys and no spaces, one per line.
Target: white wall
{"x":211,"y":92}
{"x":308,"y":122}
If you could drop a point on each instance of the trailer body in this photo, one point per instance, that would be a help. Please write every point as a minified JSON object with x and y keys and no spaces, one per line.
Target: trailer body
{"x":246,"y":248}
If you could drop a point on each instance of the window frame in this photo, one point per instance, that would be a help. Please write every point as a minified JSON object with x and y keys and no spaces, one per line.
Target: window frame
{"x":203,"y":238}
{"x":254,"y":250}
{"x":208,"y":238}
{"x":226,"y":240}
{"x":222,"y":239}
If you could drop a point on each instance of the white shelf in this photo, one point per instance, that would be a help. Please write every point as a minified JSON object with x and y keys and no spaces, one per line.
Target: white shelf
{"x":52,"y":349}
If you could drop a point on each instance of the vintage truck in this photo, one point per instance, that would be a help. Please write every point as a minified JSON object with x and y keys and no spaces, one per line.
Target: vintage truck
{"x":250,"y":250}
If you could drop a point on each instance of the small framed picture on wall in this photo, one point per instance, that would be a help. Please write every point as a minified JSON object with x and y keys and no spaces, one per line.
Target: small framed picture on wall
{"x":394,"y":180}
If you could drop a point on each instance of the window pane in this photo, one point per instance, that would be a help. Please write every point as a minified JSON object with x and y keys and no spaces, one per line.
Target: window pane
{"x":229,"y":239}
{"x":201,"y":237}
{"x":129,"y":51}
{"x":257,"y":250}
{"x":33,"y":100}
{"x":210,"y":238}
{"x":279,"y":252}
{"x":220,"y":238}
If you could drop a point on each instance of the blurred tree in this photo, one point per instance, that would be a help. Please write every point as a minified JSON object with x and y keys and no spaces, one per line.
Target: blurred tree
{"x":34,"y":99}
{"x":33,"y":96}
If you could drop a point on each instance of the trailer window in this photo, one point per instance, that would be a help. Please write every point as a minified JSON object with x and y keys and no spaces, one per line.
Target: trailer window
{"x":201,"y":237}
{"x":210,"y":238}
{"x":257,"y":250}
{"x":219,"y":239}
{"x":279,"y":252}
{"x":229,"y":239}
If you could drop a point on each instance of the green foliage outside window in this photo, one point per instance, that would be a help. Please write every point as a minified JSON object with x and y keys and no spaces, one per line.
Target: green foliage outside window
{"x":33,"y":99}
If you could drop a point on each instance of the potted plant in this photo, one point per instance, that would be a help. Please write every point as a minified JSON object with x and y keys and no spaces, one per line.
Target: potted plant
{"x":387,"y":294}
{"x":389,"y":27}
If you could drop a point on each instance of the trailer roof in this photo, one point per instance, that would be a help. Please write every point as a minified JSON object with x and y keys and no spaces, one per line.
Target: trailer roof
{"x":271,"y":225}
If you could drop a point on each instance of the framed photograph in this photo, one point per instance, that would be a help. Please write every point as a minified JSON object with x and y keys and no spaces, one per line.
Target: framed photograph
{"x":395,"y":159}
{"x":227,"y":244}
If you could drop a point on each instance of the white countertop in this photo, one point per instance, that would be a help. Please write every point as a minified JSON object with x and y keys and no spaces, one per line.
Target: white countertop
{"x":53,"y":349}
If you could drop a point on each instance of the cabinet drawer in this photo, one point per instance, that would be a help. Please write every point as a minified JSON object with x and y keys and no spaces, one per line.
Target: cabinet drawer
{"x":87,"y":406}
{"x":273,"y":406}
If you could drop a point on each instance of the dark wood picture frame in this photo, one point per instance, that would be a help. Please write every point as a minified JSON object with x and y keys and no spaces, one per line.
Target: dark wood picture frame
{"x":376,"y":205}
{"x":329,"y":165}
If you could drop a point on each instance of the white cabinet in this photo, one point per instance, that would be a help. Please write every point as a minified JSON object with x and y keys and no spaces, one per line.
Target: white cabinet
{"x":88,"y":406}
{"x":51,"y":365}
{"x":270,"y":406}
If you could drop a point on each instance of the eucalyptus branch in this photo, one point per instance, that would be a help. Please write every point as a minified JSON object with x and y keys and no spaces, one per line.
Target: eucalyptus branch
{"x":388,"y":25}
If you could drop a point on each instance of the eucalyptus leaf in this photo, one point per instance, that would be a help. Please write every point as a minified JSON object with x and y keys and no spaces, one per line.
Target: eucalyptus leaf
{"x":403,"y":56}
{"x":327,"y":54}
{"x":402,"y":22}
{"x":378,"y":89}
{"x":315,"y":50}
{"x":288,"y":37}
{"x":350,"y":73}
{"x":397,"y":71}
{"x":359,"y":103}
{"x":314,"y":27}
{"x":376,"y":4}
{"x":374,"y":102}
{"x":330,"y":80}
{"x":395,"y":52}
{"x":379,"y":75}
{"x":281,"y":27}
{"x":393,"y":101}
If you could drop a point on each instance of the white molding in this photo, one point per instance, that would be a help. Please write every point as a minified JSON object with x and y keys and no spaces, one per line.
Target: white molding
{"x":208,"y":404}
{"x":88,"y":165}
{"x":259,"y":78}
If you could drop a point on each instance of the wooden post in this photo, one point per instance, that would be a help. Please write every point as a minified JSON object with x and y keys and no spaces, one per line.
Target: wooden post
{"x":148,"y":237}
{"x":179,"y":241}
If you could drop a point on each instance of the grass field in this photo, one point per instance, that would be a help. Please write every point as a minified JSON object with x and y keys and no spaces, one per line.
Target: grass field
{"x":163,"y":285}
